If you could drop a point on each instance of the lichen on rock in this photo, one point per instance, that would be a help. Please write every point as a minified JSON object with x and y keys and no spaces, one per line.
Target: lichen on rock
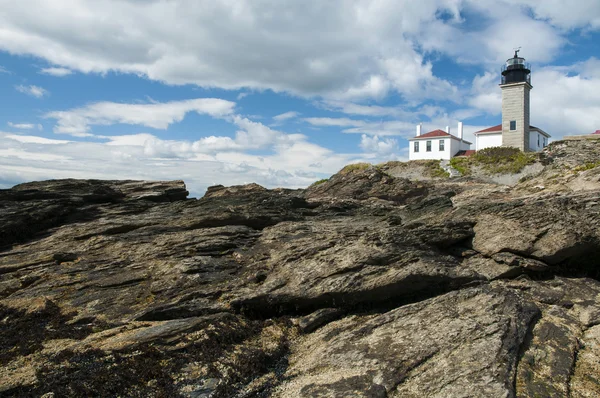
{"x":365,"y":285}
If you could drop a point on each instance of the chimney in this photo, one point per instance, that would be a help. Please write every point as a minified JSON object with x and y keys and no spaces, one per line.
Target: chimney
{"x":419,"y":129}
{"x":460,"y":130}
{"x":448,"y":129}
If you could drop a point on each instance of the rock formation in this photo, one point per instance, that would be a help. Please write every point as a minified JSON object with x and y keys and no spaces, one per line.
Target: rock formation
{"x":367,"y":285}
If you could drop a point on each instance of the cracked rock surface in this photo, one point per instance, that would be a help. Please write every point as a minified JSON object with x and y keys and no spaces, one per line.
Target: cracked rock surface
{"x":366,"y":285}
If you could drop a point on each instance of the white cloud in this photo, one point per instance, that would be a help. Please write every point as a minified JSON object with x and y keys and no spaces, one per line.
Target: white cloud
{"x":78,"y":121}
{"x":345,"y":50}
{"x":485,"y":93}
{"x":285,"y":116}
{"x":293,"y":162}
{"x":381,"y":147}
{"x":128,"y":140}
{"x":357,"y":126}
{"x":363,"y":110}
{"x":342,"y":49}
{"x":565,"y":104}
{"x":58,"y":72}
{"x":566,"y":14}
{"x":32,"y":139}
{"x":254,"y":135}
{"x":4,"y":70}
{"x":334,"y":121}
{"x":34,"y":91}
{"x":25,"y":126}
{"x":26,"y":155}
{"x":565,"y":100}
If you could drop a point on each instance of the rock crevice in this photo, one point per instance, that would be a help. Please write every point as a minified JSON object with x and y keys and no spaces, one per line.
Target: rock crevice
{"x":366,"y":285}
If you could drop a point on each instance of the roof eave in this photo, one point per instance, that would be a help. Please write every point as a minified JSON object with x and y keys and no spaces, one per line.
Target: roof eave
{"x":488,"y":132}
{"x":539,"y":130}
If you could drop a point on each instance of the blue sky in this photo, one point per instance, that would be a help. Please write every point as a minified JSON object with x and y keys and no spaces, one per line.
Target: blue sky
{"x":281,"y":93}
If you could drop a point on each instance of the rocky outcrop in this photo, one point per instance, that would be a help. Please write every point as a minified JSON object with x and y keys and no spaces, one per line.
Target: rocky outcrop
{"x":365,"y":285}
{"x":32,"y":208}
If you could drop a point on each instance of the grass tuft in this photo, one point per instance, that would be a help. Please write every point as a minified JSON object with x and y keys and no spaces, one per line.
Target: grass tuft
{"x":322,"y":181}
{"x":355,"y":167}
{"x":586,"y":166}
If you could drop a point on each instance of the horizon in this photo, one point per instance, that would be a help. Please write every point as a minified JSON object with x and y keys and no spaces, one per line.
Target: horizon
{"x":280,"y":94}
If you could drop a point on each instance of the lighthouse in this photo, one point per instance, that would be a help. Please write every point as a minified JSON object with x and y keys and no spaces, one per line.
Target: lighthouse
{"x":515,"y":129}
{"x":516,"y":85}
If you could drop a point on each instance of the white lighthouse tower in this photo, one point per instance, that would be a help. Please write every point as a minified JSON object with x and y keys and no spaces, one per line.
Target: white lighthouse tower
{"x":515,"y":129}
{"x":516,"y":84}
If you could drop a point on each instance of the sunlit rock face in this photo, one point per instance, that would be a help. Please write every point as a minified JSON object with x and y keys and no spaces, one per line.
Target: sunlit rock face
{"x":366,"y":285}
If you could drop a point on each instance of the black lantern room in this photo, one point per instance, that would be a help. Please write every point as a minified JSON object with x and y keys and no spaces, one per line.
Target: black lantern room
{"x":516,"y":70}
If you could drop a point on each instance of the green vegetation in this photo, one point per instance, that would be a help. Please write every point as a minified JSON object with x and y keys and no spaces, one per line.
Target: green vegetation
{"x":322,"y":181}
{"x":391,"y":163}
{"x":503,"y":160}
{"x":586,"y":166}
{"x":433,"y":169}
{"x":495,"y":160}
{"x":463,"y":165}
{"x":353,"y":167}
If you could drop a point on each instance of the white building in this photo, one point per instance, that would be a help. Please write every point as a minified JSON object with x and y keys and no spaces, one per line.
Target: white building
{"x":490,"y":137}
{"x":515,"y":130}
{"x":437,"y":144}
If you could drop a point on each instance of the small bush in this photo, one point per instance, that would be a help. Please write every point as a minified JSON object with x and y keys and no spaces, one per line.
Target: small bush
{"x":496,"y":154}
{"x":495,"y":160}
{"x":433,"y":169}
{"x":463,"y":165}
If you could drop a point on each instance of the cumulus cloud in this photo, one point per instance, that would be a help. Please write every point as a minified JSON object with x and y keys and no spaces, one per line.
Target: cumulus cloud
{"x":565,"y":13}
{"x":58,"y":72}
{"x":565,"y":100}
{"x":78,"y":121}
{"x":292,"y":162}
{"x":34,"y":91}
{"x":381,"y":147}
{"x":376,"y":49}
{"x":344,"y":54}
{"x":485,"y":93}
{"x":565,"y":104}
{"x":207,"y":43}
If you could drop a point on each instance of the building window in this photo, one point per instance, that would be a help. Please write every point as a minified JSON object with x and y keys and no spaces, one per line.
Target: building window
{"x":513,"y":125}
{"x":428,"y":146}
{"x":416,"y":146}
{"x":538,"y":140}
{"x":441,"y":145}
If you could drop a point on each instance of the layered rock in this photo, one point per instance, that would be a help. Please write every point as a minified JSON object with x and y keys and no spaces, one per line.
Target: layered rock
{"x":365,"y":285}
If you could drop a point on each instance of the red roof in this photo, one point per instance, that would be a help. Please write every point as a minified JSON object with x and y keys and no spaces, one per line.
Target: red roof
{"x":434,"y":133}
{"x":468,"y":152}
{"x":490,"y":129}
{"x":498,"y":128}
{"x":596,"y":132}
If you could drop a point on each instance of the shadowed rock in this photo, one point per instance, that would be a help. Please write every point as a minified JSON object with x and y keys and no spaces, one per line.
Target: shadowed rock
{"x":365,"y":285}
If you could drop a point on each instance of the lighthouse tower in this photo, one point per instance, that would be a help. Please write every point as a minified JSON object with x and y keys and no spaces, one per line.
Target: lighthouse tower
{"x":515,"y":85}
